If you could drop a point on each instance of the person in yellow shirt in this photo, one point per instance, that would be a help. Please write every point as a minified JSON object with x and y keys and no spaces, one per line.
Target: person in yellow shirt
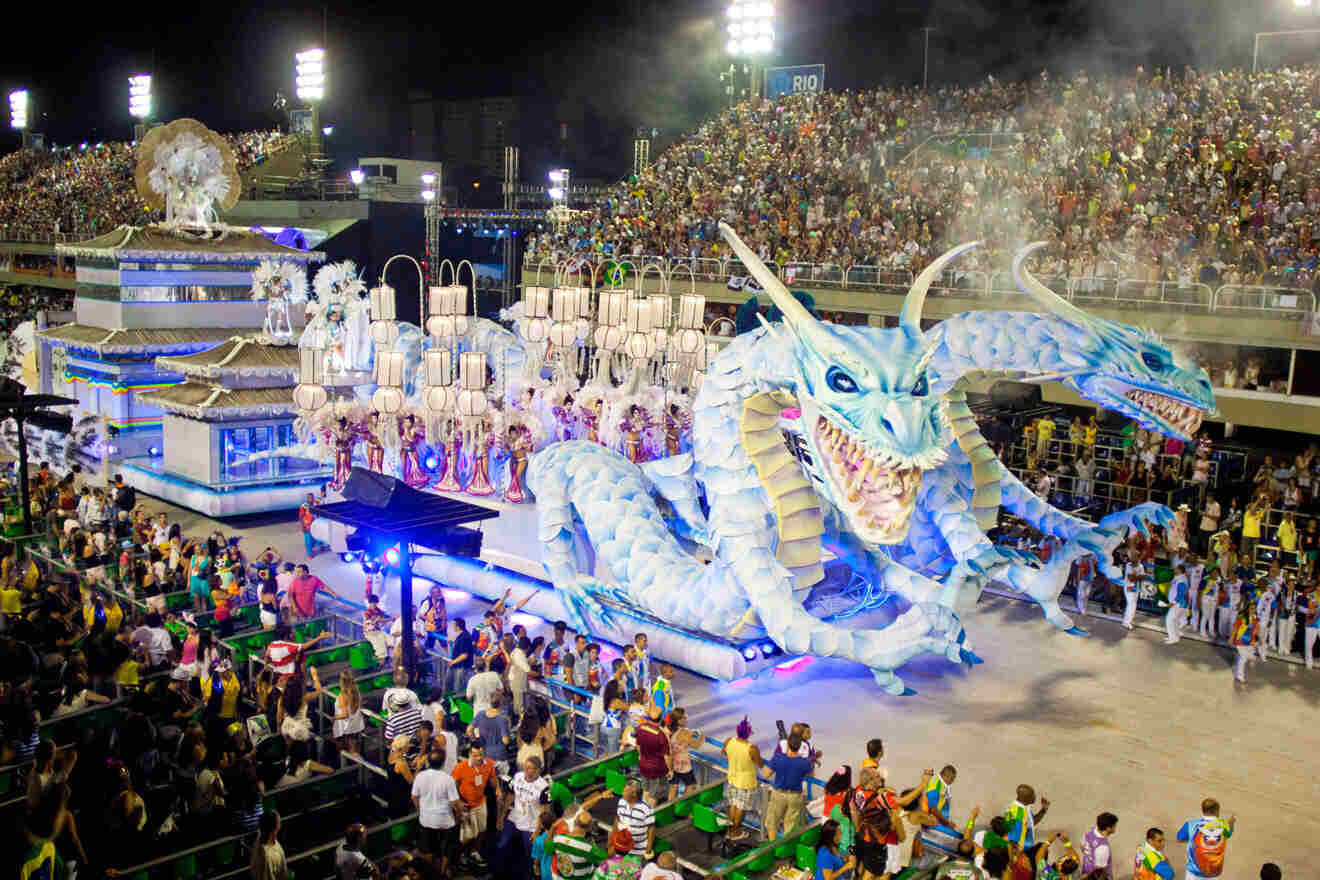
{"x":1287,"y":535}
{"x":11,"y":605}
{"x":1044,"y":432}
{"x":1090,"y":431}
{"x":220,"y":692}
{"x":1255,"y":512}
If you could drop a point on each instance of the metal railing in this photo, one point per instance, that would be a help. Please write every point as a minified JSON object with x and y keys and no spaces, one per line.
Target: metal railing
{"x":978,"y":284}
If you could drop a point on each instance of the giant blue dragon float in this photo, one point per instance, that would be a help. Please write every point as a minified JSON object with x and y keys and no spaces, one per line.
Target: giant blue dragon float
{"x":701,"y":489}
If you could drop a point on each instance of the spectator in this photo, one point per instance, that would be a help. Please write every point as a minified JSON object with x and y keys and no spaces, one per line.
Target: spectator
{"x":623,"y":863}
{"x":830,"y":864}
{"x":786,"y":807}
{"x":572,"y":849}
{"x":665,"y":867}
{"x":268,"y":855}
{"x":482,"y":687}
{"x":530,"y":794}
{"x":471,"y":776}
{"x":1150,"y":862}
{"x":405,"y":709}
{"x":635,"y":816}
{"x":744,"y":758}
{"x":302,"y":594}
{"x":1207,"y":840}
{"x":350,"y":862}
{"x":653,"y":749}
{"x":1022,"y":821}
{"x":492,"y":728}
{"x":435,"y":796}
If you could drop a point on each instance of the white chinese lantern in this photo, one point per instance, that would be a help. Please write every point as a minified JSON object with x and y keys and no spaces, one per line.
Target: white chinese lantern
{"x":691,"y":311}
{"x":388,"y":396}
{"x":472,"y":400}
{"x":563,"y":308}
{"x":659,"y":311}
{"x":384,"y":312}
{"x":612,"y":310}
{"x":439,"y":396}
{"x":582,"y":296}
{"x":638,"y":317}
{"x":448,"y":309}
{"x":310,"y":394}
{"x":536,"y":302}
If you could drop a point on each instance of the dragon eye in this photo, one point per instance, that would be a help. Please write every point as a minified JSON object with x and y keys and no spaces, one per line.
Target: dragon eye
{"x":921,"y":387}
{"x":1152,"y":361}
{"x":840,"y":381}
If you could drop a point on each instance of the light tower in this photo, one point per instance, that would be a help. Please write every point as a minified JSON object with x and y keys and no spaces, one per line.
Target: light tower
{"x":139,"y":102}
{"x":309,"y":84}
{"x":751,"y":37}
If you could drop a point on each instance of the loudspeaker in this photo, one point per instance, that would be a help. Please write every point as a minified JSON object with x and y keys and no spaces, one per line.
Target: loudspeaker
{"x":1015,"y":396}
{"x":370,"y":488}
{"x":383,"y":491}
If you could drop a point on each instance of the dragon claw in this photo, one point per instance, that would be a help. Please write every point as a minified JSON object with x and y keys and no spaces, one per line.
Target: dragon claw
{"x":1078,"y":631}
{"x":908,"y":692}
{"x":970,"y":658}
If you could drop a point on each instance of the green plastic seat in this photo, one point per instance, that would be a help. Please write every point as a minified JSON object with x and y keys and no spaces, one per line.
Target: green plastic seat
{"x":664,"y":816}
{"x":811,"y":836}
{"x":464,"y":711}
{"x":615,"y":781}
{"x":683,"y":808}
{"x":362,"y":657}
{"x":706,"y":820}
{"x":630,"y":759}
{"x":581,"y":778}
{"x":711,"y":795}
{"x":661,"y":845}
{"x":737,"y":875}
{"x":804,"y":857}
{"x":560,"y":794}
{"x":184,"y":867}
{"x":784,"y":849}
{"x":6,"y":782}
{"x":403,"y":831}
{"x":382,"y":681}
{"x":224,"y":854}
{"x":764,"y":858}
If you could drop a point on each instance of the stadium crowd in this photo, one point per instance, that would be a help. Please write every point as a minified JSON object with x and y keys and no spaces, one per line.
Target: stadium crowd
{"x":203,"y":747}
{"x":90,"y":190}
{"x":1200,"y":177}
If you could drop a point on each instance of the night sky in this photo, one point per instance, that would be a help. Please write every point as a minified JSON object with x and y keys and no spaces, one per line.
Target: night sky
{"x":628,"y":63}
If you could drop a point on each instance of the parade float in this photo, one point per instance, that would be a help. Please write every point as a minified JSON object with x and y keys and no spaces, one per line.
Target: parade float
{"x":743,"y":503}
{"x":147,"y":295}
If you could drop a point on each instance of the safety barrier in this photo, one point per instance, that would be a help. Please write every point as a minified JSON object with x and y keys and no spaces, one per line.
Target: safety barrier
{"x":1083,"y":290}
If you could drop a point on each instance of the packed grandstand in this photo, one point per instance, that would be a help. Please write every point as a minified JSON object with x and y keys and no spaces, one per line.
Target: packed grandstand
{"x":1194,"y":177}
{"x":86,"y":190}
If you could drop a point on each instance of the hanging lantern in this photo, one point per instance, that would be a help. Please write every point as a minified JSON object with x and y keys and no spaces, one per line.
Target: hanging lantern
{"x":448,"y":308}
{"x":638,"y":317}
{"x":439,"y":396}
{"x":583,"y":310}
{"x":471,"y":401}
{"x":384,"y":311}
{"x":388,"y":396}
{"x":659,"y":311}
{"x":563,"y":308}
{"x":692,"y":311}
{"x":536,"y":302}
{"x":310,"y":394}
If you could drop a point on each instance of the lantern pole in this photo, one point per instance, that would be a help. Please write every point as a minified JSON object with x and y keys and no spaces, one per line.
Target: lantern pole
{"x":421,"y":286}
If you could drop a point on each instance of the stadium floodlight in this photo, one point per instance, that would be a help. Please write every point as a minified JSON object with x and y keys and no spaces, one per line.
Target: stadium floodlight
{"x":357,"y":175}
{"x":559,"y":175}
{"x":139,"y":95}
{"x":310,"y":79}
{"x":751,"y":28}
{"x":18,"y":109}
{"x":328,"y":130}
{"x":428,"y":195}
{"x":556,"y":193}
{"x":428,"y":178}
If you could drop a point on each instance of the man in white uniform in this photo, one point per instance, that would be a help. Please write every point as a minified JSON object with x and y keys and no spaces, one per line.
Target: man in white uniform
{"x":1179,"y":598}
{"x":1133,"y":574}
{"x":1209,"y":602}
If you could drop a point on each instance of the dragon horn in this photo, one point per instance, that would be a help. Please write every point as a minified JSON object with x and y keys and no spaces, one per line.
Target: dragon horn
{"x":795,"y":314}
{"x":1042,"y":294}
{"x":916,"y":298}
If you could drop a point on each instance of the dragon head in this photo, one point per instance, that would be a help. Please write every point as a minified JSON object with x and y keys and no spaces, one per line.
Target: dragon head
{"x":869,"y":420}
{"x":1122,"y":368}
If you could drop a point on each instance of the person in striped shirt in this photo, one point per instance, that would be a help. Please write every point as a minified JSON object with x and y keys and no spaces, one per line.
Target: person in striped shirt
{"x":572,"y":857}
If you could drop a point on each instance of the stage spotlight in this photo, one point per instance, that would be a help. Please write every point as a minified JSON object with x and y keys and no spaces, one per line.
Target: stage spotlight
{"x":392,"y":557}
{"x":153,"y":451}
{"x":432,"y":462}
{"x":749,"y":653}
{"x":769,"y":649}
{"x":347,"y":557}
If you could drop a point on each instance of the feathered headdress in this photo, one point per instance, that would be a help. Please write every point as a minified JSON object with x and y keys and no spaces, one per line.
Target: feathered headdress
{"x":271,"y":279}
{"x":338,"y":283}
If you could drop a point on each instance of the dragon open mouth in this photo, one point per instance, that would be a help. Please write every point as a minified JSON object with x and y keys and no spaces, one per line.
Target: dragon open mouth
{"x":1181,"y":416}
{"x":874,"y":492}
